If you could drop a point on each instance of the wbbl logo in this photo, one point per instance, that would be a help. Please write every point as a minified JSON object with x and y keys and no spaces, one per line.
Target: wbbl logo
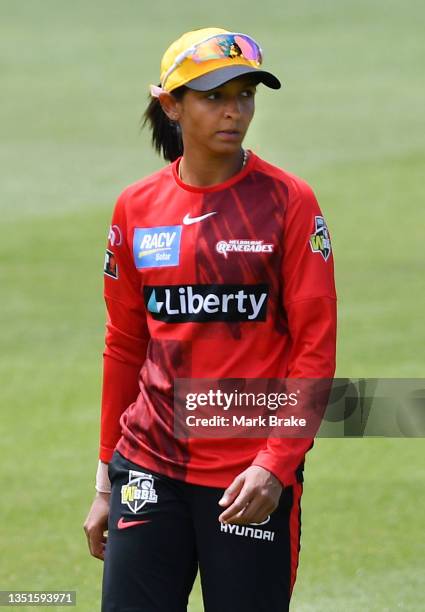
{"x":139,"y":491}
{"x":320,"y":241}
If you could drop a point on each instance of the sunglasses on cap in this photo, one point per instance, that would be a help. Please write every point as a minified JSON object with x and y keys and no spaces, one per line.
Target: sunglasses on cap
{"x":219,"y":46}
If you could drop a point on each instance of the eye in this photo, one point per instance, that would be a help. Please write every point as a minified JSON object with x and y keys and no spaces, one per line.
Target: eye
{"x":215,"y":95}
{"x":248,"y":93}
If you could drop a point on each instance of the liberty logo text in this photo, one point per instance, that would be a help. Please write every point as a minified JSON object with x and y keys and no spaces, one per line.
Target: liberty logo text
{"x":206,"y":303}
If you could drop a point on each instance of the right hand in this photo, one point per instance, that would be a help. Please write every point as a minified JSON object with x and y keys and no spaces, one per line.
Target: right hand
{"x":96,"y":524}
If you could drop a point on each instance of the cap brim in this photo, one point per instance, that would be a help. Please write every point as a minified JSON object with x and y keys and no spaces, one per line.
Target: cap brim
{"x":218,"y":77}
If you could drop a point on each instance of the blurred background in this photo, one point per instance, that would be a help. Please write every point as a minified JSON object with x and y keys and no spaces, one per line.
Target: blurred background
{"x":350,"y":121}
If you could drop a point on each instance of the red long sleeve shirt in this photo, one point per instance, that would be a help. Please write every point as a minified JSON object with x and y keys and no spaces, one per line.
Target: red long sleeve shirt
{"x":230,"y":281}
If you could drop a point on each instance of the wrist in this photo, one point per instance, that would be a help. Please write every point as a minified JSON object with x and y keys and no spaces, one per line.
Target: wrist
{"x":104,"y":496}
{"x":103,"y":484}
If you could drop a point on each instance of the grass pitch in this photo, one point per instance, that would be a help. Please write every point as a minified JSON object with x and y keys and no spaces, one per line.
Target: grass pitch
{"x":350,"y":121}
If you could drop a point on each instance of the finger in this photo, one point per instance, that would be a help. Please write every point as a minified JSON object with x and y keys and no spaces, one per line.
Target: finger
{"x":239,"y":504}
{"x":97,"y":541}
{"x":99,"y":549}
{"x":238,"y":517}
{"x":232,"y":491}
{"x":255,"y":512}
{"x":87,"y":532}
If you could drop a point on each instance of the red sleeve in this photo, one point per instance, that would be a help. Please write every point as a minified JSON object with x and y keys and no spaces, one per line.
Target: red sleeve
{"x":127,"y":335}
{"x":309,"y":300}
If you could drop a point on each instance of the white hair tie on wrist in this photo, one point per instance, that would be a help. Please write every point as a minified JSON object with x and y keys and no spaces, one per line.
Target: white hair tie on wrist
{"x":103,"y":484}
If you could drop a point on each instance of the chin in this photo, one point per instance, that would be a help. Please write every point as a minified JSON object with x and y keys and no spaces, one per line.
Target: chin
{"x":227,"y":148}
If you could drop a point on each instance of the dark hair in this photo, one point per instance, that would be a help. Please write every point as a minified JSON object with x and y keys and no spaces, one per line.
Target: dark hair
{"x":166,"y":134}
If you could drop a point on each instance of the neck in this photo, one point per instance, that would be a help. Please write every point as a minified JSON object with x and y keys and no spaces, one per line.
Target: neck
{"x":205,"y":170}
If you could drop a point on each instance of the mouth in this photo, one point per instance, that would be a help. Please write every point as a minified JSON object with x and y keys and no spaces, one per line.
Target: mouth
{"x":229,"y":134}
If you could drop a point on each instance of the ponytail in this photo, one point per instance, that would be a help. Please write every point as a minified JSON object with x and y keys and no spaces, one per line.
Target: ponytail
{"x":166,"y":134}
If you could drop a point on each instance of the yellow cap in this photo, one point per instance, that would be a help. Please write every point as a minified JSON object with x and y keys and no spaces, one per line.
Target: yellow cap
{"x":188,"y":72}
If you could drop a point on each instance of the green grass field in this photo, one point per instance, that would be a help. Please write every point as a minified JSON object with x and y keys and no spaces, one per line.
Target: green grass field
{"x":350,"y":121}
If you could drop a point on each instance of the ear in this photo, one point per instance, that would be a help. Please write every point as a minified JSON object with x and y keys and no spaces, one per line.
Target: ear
{"x":170,"y":106}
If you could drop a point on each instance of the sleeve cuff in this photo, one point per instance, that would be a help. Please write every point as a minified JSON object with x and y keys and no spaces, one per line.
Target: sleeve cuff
{"x":105,"y":454}
{"x":286,"y":470}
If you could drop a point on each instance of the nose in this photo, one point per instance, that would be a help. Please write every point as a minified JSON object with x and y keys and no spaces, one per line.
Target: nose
{"x":232,"y":107}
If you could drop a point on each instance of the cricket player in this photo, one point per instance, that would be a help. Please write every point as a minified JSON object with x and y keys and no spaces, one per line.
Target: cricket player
{"x":217,"y":266}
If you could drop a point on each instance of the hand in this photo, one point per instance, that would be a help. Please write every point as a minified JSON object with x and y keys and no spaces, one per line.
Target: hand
{"x":96,"y":524}
{"x":251,"y":497}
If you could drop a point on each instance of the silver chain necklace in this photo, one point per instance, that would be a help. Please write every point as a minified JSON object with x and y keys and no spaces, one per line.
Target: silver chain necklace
{"x":245,"y":159}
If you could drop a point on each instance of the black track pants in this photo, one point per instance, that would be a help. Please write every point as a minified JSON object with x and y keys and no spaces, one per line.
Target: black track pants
{"x":160,"y":530}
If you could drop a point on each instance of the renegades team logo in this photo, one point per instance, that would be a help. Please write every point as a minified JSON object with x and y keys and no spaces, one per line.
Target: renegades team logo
{"x":320,"y":241}
{"x":139,"y":491}
{"x":243,"y":246}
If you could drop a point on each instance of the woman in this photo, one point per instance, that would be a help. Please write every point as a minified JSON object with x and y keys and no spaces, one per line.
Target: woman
{"x":218,"y":266}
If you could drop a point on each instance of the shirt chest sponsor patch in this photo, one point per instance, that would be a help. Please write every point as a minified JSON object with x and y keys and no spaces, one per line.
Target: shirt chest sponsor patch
{"x":207,"y":303}
{"x":155,"y":247}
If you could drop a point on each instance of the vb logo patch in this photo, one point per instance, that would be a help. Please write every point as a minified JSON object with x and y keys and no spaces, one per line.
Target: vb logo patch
{"x":320,"y":241}
{"x":139,"y":491}
{"x":154,"y":247}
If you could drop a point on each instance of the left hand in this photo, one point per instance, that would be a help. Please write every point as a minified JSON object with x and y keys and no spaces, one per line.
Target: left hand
{"x":251,"y":497}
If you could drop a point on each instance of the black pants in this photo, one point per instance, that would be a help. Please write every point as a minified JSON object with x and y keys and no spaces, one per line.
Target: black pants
{"x":161,"y":529}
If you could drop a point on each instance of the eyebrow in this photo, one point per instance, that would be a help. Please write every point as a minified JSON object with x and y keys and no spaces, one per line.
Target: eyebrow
{"x":243,"y":86}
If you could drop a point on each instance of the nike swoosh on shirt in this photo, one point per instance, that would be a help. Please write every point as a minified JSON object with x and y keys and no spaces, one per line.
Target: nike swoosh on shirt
{"x":188,"y":220}
{"x":123,"y":525}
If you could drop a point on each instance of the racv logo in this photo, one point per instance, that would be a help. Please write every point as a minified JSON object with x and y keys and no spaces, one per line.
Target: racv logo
{"x":207,"y":303}
{"x":156,"y":247}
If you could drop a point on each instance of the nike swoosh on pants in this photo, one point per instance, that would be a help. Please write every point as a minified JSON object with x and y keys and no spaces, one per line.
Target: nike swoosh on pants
{"x":123,"y":525}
